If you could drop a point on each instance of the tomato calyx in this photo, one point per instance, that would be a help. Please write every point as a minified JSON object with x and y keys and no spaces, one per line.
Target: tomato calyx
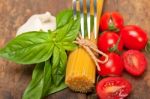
{"x":147,"y":47}
{"x":112,"y":26}
{"x":107,"y":40}
{"x":115,"y":47}
{"x":112,"y":21}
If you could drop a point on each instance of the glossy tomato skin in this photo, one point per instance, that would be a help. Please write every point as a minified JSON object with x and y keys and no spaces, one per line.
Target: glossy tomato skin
{"x":113,"y":88}
{"x":104,"y":21}
{"x":134,"y":62}
{"x":113,"y":67}
{"x":107,"y":40}
{"x":134,"y":37}
{"x":110,"y":21}
{"x":118,"y":20}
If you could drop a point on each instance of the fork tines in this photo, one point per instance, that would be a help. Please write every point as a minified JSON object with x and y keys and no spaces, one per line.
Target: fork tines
{"x":88,"y":16}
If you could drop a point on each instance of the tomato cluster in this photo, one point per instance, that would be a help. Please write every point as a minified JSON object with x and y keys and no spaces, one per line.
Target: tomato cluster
{"x":123,"y":45}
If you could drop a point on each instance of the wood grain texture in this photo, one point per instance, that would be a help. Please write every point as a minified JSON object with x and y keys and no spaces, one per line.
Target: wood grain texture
{"x":14,"y":78}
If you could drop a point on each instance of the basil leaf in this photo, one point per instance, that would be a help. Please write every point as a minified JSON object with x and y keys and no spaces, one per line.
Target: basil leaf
{"x":62,"y":67}
{"x":69,"y":46}
{"x":68,"y":32}
{"x":58,"y":72}
{"x":51,"y":87}
{"x":63,"y":58}
{"x":35,"y":87}
{"x":56,"y":57}
{"x":29,"y":48}
{"x":47,"y":78}
{"x":55,"y":64}
{"x":59,"y":60}
{"x":64,"y":17}
{"x":55,"y":88}
{"x":73,"y":31}
{"x":41,"y":80}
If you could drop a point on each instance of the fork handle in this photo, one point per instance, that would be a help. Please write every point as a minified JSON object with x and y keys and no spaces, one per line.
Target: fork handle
{"x":99,"y":12}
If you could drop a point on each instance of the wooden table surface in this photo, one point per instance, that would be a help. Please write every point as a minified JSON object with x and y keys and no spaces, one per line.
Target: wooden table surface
{"x":13,"y":13}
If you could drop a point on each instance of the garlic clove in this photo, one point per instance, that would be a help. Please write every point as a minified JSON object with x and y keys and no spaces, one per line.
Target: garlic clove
{"x":38,"y":22}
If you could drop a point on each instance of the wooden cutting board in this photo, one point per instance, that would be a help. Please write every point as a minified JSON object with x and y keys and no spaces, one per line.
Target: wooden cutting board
{"x":13,"y":13}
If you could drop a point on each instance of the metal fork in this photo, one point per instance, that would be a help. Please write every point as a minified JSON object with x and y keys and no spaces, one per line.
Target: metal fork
{"x":88,"y":17}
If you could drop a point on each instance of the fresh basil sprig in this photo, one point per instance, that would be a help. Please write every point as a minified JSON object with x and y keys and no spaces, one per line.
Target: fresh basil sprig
{"x":48,"y":51}
{"x":36,"y":47}
{"x":64,"y":36}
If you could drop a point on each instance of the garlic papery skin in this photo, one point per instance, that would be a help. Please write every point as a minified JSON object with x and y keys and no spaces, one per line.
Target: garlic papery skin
{"x":38,"y":22}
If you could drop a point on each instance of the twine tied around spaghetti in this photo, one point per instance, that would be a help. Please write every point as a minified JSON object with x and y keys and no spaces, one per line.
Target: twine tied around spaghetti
{"x":92,"y":50}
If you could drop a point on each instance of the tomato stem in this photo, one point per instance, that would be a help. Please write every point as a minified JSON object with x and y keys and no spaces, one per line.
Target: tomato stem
{"x":115,"y":47}
{"x":147,"y":47}
{"x":98,"y":78}
{"x":112,"y":26}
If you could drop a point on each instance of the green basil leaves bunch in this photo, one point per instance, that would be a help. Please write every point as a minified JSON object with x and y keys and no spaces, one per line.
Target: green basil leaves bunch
{"x":48,"y":51}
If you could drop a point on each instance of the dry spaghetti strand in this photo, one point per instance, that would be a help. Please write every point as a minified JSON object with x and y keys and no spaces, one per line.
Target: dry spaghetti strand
{"x":91,"y":48}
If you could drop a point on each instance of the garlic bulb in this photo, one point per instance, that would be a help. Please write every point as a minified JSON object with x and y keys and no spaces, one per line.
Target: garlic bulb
{"x":38,"y":22}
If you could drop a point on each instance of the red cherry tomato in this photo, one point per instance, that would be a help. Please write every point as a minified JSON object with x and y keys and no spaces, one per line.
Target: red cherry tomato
{"x":111,"y":21}
{"x":113,"y":67}
{"x":134,"y":37}
{"x":107,"y":40}
{"x":113,"y":88}
{"x":134,"y":62}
